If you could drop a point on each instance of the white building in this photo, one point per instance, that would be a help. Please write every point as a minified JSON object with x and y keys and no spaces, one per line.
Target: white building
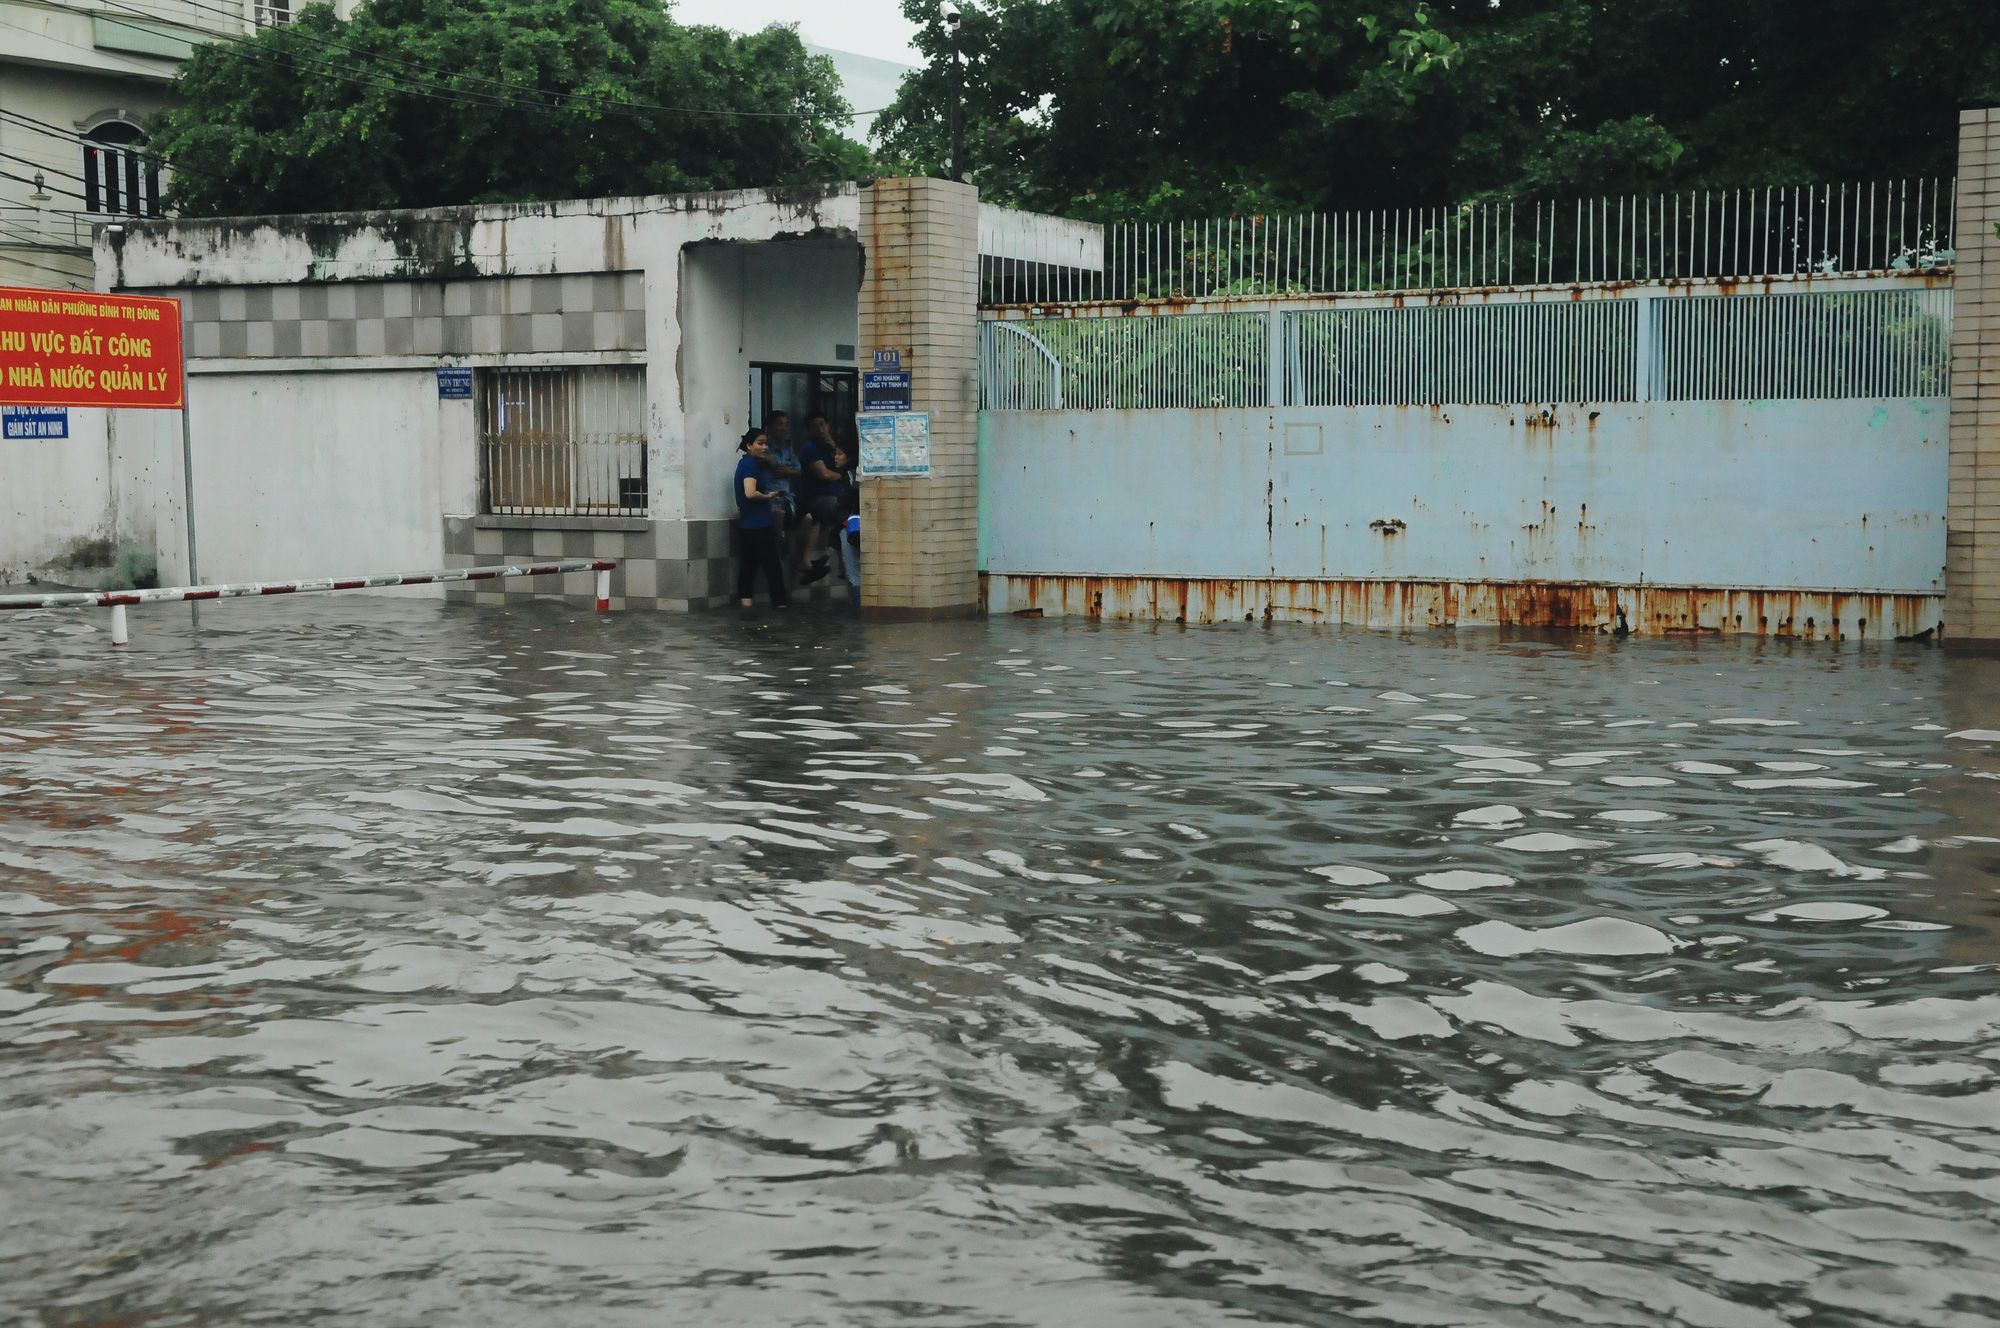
{"x":79,"y":86}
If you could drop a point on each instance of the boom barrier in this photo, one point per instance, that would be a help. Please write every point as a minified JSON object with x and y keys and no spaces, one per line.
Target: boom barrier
{"x":116,"y":600}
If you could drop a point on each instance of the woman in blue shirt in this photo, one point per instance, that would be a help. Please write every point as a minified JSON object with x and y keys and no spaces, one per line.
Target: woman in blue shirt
{"x":759,"y":551}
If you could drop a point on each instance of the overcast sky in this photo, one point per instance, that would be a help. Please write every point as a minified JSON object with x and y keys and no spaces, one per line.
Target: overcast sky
{"x":866,"y":27}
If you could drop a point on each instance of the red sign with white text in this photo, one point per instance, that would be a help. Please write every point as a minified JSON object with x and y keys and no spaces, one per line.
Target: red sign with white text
{"x":80,"y":348}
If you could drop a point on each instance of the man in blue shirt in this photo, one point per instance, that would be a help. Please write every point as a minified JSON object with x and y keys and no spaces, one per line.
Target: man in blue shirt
{"x":755,"y":530}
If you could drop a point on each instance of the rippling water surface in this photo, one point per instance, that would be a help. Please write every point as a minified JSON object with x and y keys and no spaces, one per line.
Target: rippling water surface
{"x":376,"y":962}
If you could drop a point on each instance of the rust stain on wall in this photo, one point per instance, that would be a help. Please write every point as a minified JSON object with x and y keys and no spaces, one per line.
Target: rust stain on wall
{"x":1810,"y":615}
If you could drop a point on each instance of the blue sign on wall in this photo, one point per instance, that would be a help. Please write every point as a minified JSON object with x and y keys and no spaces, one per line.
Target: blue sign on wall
{"x":885,"y":391}
{"x":888,"y":359}
{"x":454,"y":384}
{"x":34,"y":421}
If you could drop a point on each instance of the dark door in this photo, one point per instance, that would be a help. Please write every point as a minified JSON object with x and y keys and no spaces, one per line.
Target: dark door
{"x":801,"y":390}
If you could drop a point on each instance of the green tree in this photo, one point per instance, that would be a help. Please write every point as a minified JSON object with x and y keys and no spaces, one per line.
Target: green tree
{"x":1138,"y":108}
{"x":423,"y":103}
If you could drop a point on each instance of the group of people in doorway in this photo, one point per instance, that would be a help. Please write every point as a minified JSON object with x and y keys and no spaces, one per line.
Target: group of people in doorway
{"x":799,"y":509}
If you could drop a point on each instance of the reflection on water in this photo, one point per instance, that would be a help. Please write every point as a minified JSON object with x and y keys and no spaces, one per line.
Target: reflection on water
{"x":376,"y":962}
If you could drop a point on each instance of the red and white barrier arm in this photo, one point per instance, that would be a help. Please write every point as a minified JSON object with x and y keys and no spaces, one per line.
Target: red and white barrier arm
{"x":116,"y":600}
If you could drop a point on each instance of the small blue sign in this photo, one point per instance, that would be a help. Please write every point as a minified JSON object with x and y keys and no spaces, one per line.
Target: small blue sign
{"x":454,"y":384}
{"x":888,"y":359}
{"x":34,"y":421}
{"x":885,"y":391}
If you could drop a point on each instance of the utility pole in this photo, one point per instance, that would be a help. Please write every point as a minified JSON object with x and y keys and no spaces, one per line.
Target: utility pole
{"x":951,"y":21}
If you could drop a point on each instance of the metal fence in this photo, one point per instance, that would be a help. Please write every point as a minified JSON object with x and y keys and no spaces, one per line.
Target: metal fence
{"x":1879,"y":343}
{"x":1463,"y":354}
{"x":1183,"y":361}
{"x":1832,"y":229}
{"x":1864,"y":338}
{"x":563,"y":441}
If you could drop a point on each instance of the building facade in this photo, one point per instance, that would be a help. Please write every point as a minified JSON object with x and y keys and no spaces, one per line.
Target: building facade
{"x":79,"y":88}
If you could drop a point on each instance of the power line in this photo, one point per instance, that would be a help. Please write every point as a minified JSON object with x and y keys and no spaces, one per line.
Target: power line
{"x":34,"y":126}
{"x":9,"y":175}
{"x":45,"y":167}
{"x":29,"y":262}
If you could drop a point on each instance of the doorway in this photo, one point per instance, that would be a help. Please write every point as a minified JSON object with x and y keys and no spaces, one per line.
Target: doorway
{"x":801,"y":390}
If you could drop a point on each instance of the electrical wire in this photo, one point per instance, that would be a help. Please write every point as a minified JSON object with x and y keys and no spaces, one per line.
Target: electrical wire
{"x":45,"y":167}
{"x":43,"y":127}
{"x":9,"y":175}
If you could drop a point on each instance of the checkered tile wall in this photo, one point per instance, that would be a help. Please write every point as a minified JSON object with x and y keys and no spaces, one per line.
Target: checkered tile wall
{"x":490,"y":316}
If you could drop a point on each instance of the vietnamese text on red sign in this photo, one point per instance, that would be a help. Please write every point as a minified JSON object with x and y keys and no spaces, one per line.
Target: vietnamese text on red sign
{"x":62,"y":348}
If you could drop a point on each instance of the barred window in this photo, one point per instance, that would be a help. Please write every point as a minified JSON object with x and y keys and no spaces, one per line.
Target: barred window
{"x":563,"y":442}
{"x":119,"y":176}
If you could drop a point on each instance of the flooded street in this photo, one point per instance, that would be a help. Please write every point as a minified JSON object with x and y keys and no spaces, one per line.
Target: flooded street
{"x":378,"y":962}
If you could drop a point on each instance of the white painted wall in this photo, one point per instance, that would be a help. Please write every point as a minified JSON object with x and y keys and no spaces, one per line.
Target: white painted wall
{"x":102,"y":487}
{"x":787,"y":302}
{"x":319,"y":474}
{"x":54,"y":492}
{"x":316,"y":466}
{"x":1834,"y":494}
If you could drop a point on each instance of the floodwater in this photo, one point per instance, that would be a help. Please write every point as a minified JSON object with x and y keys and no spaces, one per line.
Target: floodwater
{"x":377,"y":962}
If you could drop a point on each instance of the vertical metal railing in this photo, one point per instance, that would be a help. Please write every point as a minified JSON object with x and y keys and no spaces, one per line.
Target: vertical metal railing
{"x":563,"y":441}
{"x":1869,"y":337}
{"x":1827,"y":229}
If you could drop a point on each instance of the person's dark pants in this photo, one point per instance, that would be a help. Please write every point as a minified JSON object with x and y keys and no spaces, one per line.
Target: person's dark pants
{"x":760,"y":553}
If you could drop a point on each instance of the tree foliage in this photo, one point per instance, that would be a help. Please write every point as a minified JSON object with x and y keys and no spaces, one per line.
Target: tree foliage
{"x":420,"y":103}
{"x":1135,"y":108}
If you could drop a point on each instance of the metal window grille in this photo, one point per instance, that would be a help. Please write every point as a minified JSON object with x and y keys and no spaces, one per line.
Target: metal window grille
{"x":1879,"y":343}
{"x":273,"y":13}
{"x":1180,"y":361}
{"x":563,"y":442}
{"x":1463,"y":354}
{"x":1831,"y":229}
{"x":120,"y":179}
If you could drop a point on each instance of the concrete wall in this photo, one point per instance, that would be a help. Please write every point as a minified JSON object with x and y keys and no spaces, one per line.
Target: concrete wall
{"x":1846,"y":495}
{"x":789,"y":302}
{"x":90,"y":510}
{"x":320,"y":443}
{"x":1972,"y":605}
{"x":358,"y":490}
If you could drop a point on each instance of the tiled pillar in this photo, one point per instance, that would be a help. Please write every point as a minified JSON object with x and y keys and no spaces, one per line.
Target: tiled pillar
{"x":920,"y":538}
{"x":1972,"y":507}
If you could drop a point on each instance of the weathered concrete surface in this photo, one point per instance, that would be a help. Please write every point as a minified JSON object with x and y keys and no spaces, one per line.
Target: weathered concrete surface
{"x":1642,"y":610}
{"x":321,"y":443}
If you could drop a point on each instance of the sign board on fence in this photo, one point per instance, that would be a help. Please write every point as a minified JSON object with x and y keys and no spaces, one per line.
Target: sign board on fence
{"x":895,"y":446}
{"x":81,"y":348}
{"x":454,"y":384}
{"x":34,"y":421}
{"x":885,"y":390}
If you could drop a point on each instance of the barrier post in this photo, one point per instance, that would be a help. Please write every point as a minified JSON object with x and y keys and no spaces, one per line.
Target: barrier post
{"x":604,"y":592}
{"x":187,"y":485}
{"x":119,"y":636}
